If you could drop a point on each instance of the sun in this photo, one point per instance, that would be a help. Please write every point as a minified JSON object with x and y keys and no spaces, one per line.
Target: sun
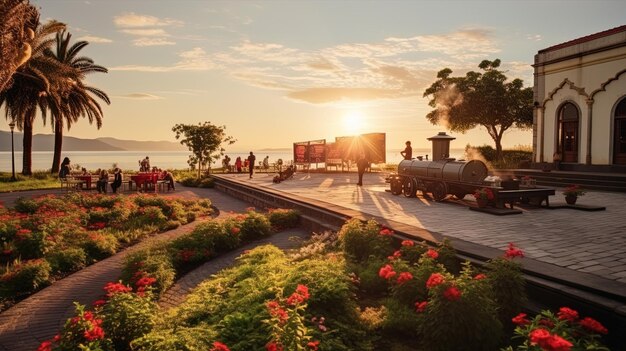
{"x":353,"y":122}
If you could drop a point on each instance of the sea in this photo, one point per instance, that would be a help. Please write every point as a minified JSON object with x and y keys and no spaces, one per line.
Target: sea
{"x":129,"y":160}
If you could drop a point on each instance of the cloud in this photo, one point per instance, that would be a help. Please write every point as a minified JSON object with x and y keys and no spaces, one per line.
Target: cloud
{"x":140,"y":96}
{"x":133,"y":20}
{"x":535,"y":37}
{"x":152,"y":42}
{"x":148,"y":29}
{"x":192,"y":60}
{"x":94,"y":39}
{"x":327,"y":95}
{"x":146,"y":32}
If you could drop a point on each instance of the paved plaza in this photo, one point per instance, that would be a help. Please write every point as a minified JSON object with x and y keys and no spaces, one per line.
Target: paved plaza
{"x":587,"y":242}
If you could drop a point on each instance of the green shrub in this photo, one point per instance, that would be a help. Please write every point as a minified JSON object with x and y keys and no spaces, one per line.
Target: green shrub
{"x":31,"y":244}
{"x":148,"y":216}
{"x":401,"y":320}
{"x":508,"y":287}
{"x":127,"y":316}
{"x":180,"y":339}
{"x":369,"y":280}
{"x":254,"y":226}
{"x":24,"y":278}
{"x":362,"y":240}
{"x":412,"y":252}
{"x":154,"y":260}
{"x":460,"y":315}
{"x":24,"y":205}
{"x":98,"y":245}
{"x":448,"y":257}
{"x":283,"y":218}
{"x":67,"y":260}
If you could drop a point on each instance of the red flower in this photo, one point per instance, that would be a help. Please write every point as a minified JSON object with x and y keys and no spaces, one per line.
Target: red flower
{"x":396,"y":254}
{"x":593,"y":325}
{"x":386,"y":272}
{"x":99,"y":303}
{"x":273,"y":346}
{"x":539,"y":336}
{"x":386,"y":232}
{"x":235,"y":230}
{"x":114,"y":288}
{"x":557,"y":343}
{"x":520,"y":319}
{"x":218,"y":346}
{"x":145,"y":281}
{"x":45,"y":346}
{"x":421,"y":306}
{"x":567,"y":314}
{"x":300,"y":295}
{"x":313,"y":345}
{"x":546,"y":323}
{"x":408,"y":243}
{"x":434,"y":280}
{"x":96,"y":333}
{"x":480,"y":276}
{"x":432,"y":254}
{"x":404,"y":277}
{"x":513,"y":252}
{"x":452,"y":293}
{"x":276,"y":311}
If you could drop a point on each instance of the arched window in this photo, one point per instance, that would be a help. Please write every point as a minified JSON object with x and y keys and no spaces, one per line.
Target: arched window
{"x":568,"y":132}
{"x":619,"y":135}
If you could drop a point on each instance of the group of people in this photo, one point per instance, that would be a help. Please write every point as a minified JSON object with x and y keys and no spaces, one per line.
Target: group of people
{"x":240,"y":164}
{"x":118,"y":177}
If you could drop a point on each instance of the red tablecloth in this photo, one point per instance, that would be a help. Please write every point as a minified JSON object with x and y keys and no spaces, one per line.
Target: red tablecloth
{"x":86,"y":179}
{"x":145,"y":179}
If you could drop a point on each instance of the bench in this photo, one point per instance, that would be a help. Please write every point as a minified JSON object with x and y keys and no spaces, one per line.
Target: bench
{"x":533,"y":196}
{"x":70,"y":183}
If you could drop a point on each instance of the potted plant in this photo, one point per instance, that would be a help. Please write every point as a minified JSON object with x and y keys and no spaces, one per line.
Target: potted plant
{"x":483,"y":196}
{"x":572,"y":193}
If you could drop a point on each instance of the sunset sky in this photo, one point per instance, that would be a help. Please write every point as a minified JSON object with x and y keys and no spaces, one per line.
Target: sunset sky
{"x":277,"y":72}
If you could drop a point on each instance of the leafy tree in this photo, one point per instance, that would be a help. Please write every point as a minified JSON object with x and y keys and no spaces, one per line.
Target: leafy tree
{"x":39,"y":79}
{"x":485,"y":99}
{"x":17,"y":23}
{"x":76,"y":101}
{"x":204,"y":141}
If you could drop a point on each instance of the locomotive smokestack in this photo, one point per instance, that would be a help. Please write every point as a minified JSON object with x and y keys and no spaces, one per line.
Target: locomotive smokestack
{"x":441,"y":145}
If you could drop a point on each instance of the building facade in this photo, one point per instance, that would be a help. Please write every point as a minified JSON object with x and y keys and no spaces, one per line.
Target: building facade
{"x":580,"y":103}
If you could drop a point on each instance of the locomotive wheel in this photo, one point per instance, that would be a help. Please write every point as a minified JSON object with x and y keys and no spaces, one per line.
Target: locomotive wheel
{"x":396,"y":186}
{"x":440,"y":191}
{"x":409,"y":188}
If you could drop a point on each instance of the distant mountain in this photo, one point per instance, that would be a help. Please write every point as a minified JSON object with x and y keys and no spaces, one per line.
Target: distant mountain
{"x":45,"y":142}
{"x":134,"y":145}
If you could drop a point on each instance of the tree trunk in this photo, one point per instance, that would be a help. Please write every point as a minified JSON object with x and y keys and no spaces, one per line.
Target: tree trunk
{"x":58,"y":147}
{"x":27,"y":161}
{"x":498,"y":141}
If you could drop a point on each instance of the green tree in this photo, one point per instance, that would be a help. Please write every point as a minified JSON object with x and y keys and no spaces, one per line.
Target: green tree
{"x":17,"y":23}
{"x":485,"y":99}
{"x":39,"y":79}
{"x":66,"y":108}
{"x":204,"y":141}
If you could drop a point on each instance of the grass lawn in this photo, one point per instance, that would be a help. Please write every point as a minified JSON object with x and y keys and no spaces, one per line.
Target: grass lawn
{"x":39,"y":180}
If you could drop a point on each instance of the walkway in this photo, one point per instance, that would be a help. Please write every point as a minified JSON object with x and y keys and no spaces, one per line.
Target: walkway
{"x":39,"y":317}
{"x":587,"y":242}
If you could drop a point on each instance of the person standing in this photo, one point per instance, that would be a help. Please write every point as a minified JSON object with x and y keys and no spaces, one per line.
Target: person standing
{"x":361,"y":165}
{"x":408,"y":151}
{"x":117,"y":180}
{"x":251,"y":160}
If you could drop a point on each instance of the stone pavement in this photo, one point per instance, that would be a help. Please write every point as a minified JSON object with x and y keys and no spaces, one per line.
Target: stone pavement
{"x":586,"y":242}
{"x":39,"y":317}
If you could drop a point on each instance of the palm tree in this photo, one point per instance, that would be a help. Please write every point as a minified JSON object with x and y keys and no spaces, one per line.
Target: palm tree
{"x":16,"y":29}
{"x":39,"y":78}
{"x":65,"y":109}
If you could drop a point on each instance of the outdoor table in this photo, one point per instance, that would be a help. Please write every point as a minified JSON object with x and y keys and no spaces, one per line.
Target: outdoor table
{"x":534,"y":196}
{"x":86,"y":180}
{"x":145,"y":179}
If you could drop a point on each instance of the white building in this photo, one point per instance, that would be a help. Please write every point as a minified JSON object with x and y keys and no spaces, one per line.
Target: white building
{"x":580,"y":103}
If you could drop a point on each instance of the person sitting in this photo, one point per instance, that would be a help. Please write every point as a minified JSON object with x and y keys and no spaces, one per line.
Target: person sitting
{"x":169,"y":178}
{"x":288,"y":173}
{"x":118,"y":178}
{"x":102,"y":182}
{"x":238,"y":164}
{"x":65,"y":169}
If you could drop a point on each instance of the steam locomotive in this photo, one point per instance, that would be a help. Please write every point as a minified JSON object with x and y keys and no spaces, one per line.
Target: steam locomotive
{"x":440,"y":178}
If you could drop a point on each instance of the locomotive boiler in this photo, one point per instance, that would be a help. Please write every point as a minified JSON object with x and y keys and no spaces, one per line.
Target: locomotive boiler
{"x":440,"y":178}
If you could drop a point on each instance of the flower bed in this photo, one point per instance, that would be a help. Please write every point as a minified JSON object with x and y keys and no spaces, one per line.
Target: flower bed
{"x":46,"y":238}
{"x":326,"y":297}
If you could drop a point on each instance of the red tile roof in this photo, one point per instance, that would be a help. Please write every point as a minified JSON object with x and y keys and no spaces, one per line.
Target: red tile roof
{"x":586,"y":38}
